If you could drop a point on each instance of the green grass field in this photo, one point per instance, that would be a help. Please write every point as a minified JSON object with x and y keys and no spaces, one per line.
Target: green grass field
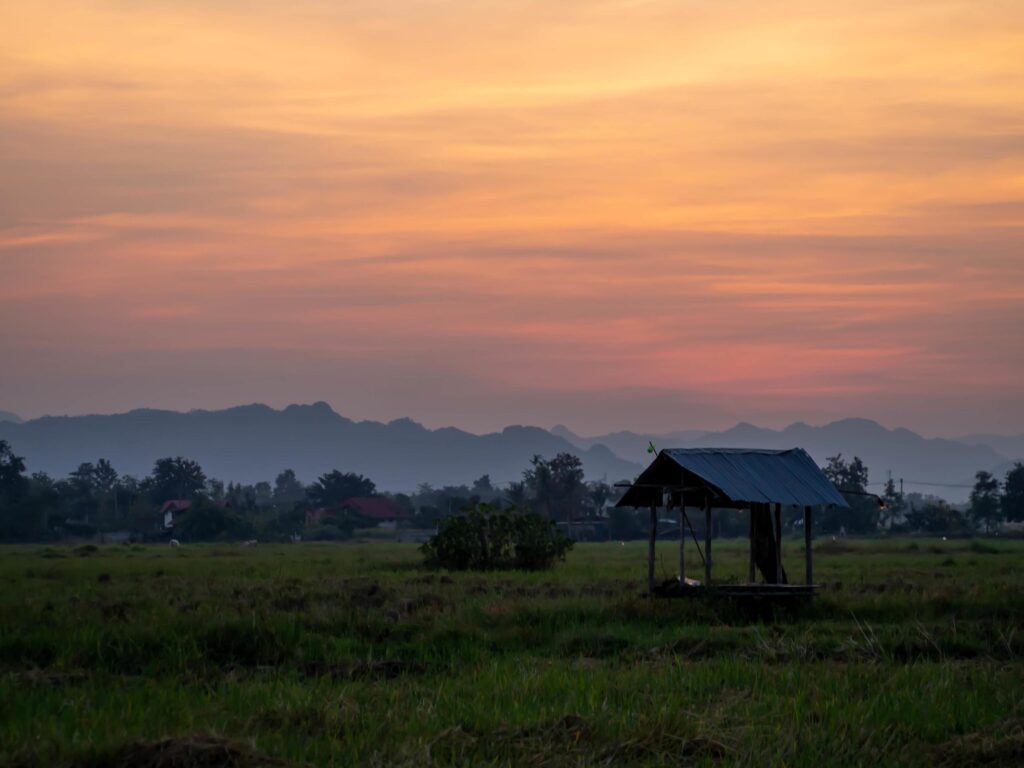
{"x":355,"y":655}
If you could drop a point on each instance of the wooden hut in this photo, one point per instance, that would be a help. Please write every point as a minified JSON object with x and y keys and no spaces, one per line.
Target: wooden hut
{"x":761,"y":481}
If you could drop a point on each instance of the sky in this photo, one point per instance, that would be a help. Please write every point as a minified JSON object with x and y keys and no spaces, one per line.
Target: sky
{"x":606,"y":213}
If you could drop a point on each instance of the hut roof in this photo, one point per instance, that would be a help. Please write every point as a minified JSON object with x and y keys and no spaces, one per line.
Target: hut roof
{"x":735,"y":477}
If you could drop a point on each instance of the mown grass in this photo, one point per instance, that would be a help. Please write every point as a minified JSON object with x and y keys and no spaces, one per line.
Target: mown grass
{"x":355,"y":655}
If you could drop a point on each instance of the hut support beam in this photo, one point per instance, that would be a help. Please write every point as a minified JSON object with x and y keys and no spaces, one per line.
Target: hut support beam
{"x":652,"y":536}
{"x":751,"y":573}
{"x":778,"y":544}
{"x":682,"y":541}
{"x":808,"y":550}
{"x":707,"y":542}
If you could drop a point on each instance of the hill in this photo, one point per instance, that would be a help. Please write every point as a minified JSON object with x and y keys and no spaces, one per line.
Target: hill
{"x":8,"y":416}
{"x":255,"y":442}
{"x":929,"y":465}
{"x":1011,"y":446}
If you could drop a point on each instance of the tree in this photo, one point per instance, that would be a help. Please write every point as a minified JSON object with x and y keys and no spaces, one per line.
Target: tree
{"x":263,"y":495}
{"x":894,"y":503}
{"x":80,"y":490}
{"x":208,"y":522}
{"x":985,"y":507}
{"x":557,"y":486}
{"x":12,"y":474}
{"x":598,"y":495}
{"x":104,"y":477}
{"x":1012,"y":501}
{"x":482,"y":487}
{"x":288,"y":491}
{"x":215,"y":489}
{"x":335,"y":488}
{"x":934,"y":515}
{"x":851,"y":479}
{"x":516,"y":495}
{"x":539,"y":484}
{"x":20,"y":518}
{"x":177,"y":478}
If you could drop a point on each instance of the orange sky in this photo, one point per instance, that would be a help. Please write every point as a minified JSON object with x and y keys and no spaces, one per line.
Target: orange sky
{"x":610,"y":213}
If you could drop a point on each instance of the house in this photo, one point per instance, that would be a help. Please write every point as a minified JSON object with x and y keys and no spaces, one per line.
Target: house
{"x":371,"y":510}
{"x":171,"y":509}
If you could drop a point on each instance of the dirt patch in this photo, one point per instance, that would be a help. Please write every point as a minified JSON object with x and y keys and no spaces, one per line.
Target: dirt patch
{"x":1003,"y":747}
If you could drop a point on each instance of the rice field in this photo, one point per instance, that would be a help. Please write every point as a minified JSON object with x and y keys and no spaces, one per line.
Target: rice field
{"x":354,"y":654}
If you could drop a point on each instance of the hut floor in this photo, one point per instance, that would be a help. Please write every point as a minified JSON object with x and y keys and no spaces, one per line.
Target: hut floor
{"x":672,"y":588}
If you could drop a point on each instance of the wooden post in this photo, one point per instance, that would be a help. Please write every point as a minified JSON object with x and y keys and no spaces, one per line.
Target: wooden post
{"x":707,"y":542}
{"x":750,"y":567}
{"x":682,"y":540}
{"x":808,"y":554}
{"x":778,"y":543}
{"x":650,"y":548}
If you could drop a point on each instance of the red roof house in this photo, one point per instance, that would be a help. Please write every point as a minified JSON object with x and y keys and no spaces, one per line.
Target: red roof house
{"x":375,"y":509}
{"x":172,"y":508}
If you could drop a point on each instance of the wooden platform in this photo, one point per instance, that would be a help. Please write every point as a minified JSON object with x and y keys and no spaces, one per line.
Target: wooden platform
{"x":673,"y":588}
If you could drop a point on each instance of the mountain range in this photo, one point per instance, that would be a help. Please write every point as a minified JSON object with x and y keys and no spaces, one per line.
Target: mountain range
{"x":255,"y":442}
{"x":927,"y":465}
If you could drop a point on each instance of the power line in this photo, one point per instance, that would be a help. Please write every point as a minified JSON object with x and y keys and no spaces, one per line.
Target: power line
{"x":926,"y":482}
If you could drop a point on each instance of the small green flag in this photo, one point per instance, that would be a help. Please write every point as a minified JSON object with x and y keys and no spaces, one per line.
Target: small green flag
{"x":651,"y":448}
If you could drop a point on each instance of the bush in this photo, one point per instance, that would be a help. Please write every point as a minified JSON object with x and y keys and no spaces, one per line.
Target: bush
{"x":330,"y":530}
{"x":485,"y":538}
{"x":209,"y":522}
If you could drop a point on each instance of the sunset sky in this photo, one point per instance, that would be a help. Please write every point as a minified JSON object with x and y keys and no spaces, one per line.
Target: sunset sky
{"x":607,"y":213}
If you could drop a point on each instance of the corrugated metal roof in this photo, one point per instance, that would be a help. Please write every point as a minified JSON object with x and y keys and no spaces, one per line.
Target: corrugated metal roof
{"x":740,"y":475}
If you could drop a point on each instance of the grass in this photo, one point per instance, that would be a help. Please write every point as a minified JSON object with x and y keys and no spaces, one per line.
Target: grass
{"x":355,"y":655}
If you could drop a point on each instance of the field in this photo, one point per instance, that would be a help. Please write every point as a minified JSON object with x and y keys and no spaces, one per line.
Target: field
{"x":356,"y":655}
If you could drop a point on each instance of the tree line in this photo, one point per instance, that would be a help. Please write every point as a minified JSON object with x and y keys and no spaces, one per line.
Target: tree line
{"x":95,"y":499}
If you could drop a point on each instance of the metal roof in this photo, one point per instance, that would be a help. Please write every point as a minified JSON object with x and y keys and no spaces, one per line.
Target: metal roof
{"x":736,"y":476}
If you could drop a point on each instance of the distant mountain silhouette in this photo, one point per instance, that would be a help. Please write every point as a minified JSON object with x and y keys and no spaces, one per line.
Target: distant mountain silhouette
{"x":631,"y":446}
{"x":8,"y":416}
{"x":920,"y":461}
{"x":255,"y":442}
{"x":1011,"y":446}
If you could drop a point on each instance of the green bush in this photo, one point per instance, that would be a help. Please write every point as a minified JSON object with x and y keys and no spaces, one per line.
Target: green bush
{"x":486,"y":538}
{"x":210,"y":522}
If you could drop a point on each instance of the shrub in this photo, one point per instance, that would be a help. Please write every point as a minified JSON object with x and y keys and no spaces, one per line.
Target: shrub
{"x":210,"y":522}
{"x":486,"y":538}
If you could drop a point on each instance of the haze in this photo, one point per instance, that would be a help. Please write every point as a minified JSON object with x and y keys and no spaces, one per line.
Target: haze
{"x":649,"y":215}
